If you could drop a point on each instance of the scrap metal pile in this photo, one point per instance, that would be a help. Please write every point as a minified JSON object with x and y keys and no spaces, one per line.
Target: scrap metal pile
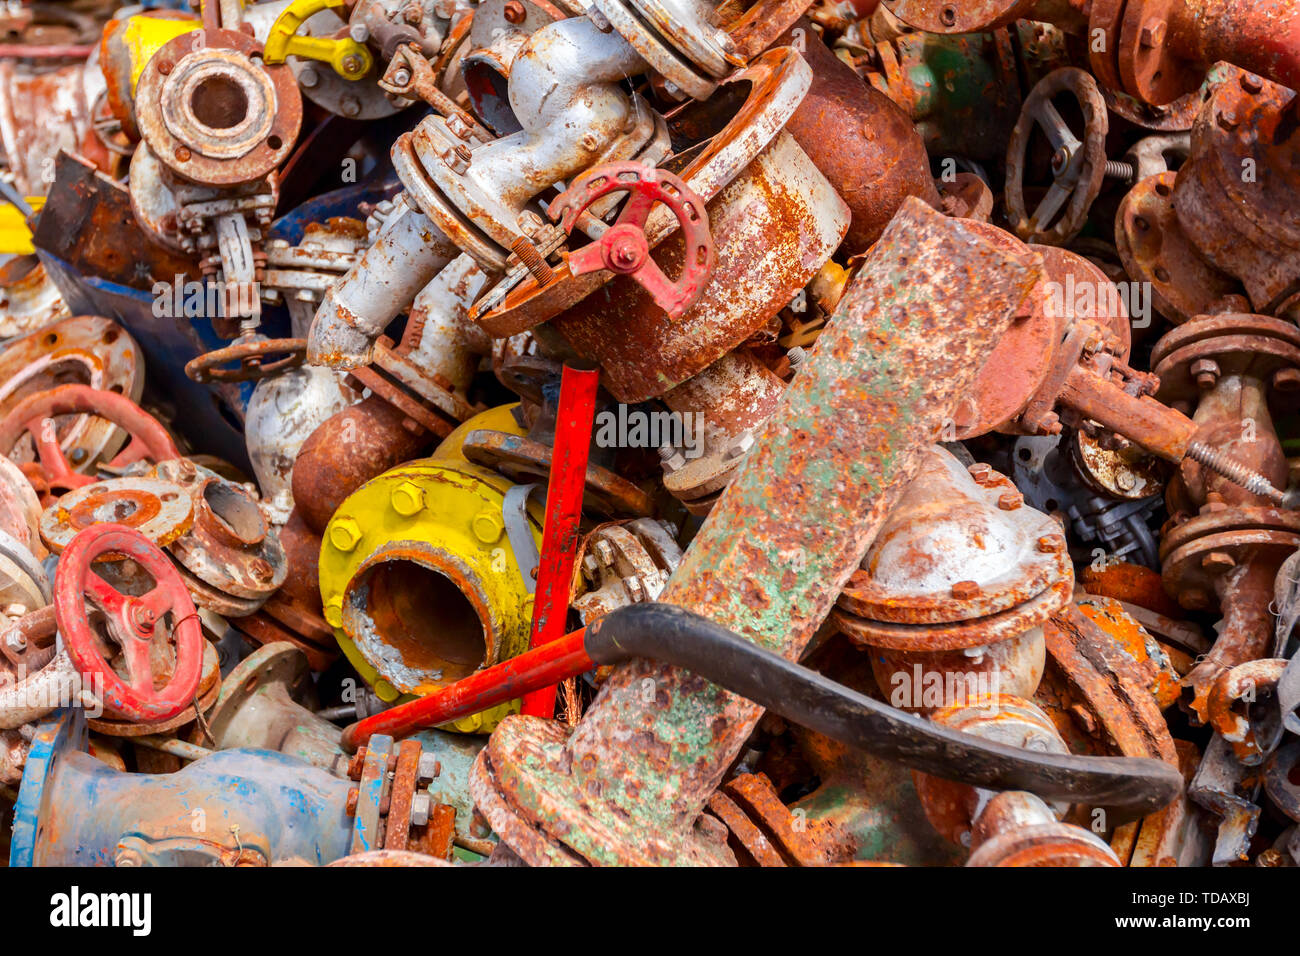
{"x":727,"y":432}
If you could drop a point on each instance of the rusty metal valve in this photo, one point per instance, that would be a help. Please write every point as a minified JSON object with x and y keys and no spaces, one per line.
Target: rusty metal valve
{"x":624,"y":247}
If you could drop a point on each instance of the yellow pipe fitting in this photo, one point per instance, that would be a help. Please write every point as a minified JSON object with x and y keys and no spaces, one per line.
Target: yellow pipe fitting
{"x":420,"y":597}
{"x":350,"y":59}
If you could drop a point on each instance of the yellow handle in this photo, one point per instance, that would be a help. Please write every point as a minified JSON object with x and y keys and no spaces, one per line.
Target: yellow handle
{"x":350,"y":59}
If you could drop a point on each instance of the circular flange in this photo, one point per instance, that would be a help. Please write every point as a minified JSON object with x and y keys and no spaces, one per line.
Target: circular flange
{"x":1239,"y":343}
{"x":1155,"y":250}
{"x":84,"y":349}
{"x":159,"y":510}
{"x":523,"y":460}
{"x":231,"y":546}
{"x":1148,"y":65}
{"x":662,"y":55}
{"x":213,"y":112}
{"x":1020,"y":361}
{"x":1240,"y":533}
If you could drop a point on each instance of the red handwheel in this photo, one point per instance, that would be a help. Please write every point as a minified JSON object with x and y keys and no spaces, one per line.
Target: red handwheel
{"x":624,"y":248}
{"x":35,"y":415}
{"x":158,"y":638}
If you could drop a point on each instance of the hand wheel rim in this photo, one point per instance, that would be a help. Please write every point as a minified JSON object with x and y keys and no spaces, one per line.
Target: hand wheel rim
{"x":72,"y":584}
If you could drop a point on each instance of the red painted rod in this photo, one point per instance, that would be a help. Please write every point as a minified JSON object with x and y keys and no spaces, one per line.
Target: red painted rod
{"x":564,"y":491}
{"x":543,"y":666}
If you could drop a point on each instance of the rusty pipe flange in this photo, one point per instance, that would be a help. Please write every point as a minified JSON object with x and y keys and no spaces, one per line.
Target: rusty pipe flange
{"x":688,"y":52}
{"x":214,"y":599}
{"x":768,"y":833}
{"x":1229,"y":703}
{"x":778,"y":82}
{"x":85,"y":349}
{"x":1235,"y":197}
{"x":1044,"y":844}
{"x":1072,"y":290}
{"x":1155,"y":250}
{"x":153,"y":202}
{"x":1196,"y":553}
{"x":1078,"y":165}
{"x":960,"y":548}
{"x":230,"y":547}
{"x":624,"y":564}
{"x":1236,"y":343}
{"x":159,"y":510}
{"x":946,"y":16}
{"x":497,"y":31}
{"x":204,"y":700}
{"x":29,"y":298}
{"x":212,"y":113}
{"x":523,"y":460}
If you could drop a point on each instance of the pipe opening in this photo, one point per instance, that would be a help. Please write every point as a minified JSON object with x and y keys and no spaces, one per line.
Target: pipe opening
{"x":219,"y":103}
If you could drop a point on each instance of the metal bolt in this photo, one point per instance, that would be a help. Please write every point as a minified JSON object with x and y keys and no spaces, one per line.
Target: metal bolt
{"x":515,"y":12}
{"x":1205,"y":371}
{"x":1216,"y":562}
{"x":1251,"y":83}
{"x":1153,"y":32}
{"x":350,"y":105}
{"x":487,"y":526}
{"x":428,"y":768}
{"x":635,"y":589}
{"x":407,"y":498}
{"x":1050,"y":543}
{"x":739,"y":448}
{"x":359,"y":32}
{"x":345,"y":534}
{"x":798,"y":357}
{"x":966,"y":590}
{"x":1125,"y":480}
{"x":309,"y":77}
{"x":1010,"y":500}
{"x":1228,"y":120}
{"x":980,"y":472}
{"x":334,"y":613}
{"x":421,"y":804}
{"x":352,"y":63}
{"x":354,"y":796}
{"x":1286,"y":379}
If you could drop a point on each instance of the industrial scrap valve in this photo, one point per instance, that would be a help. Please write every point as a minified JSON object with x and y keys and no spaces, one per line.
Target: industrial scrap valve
{"x":153,"y":687}
{"x":623,"y":247}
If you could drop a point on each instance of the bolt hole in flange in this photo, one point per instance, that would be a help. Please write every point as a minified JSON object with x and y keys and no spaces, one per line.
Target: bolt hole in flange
{"x":219,"y":103}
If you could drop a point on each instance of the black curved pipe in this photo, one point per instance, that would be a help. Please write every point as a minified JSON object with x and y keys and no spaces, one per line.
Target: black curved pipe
{"x":1127,"y":787}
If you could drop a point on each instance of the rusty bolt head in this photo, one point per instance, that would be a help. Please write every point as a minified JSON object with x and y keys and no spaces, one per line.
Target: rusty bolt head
{"x":353,"y":797}
{"x":421,"y":804}
{"x":165,"y":66}
{"x":1217,"y":562}
{"x":1251,"y":83}
{"x":357,"y":764}
{"x":1010,"y":500}
{"x":635,"y":589}
{"x":515,"y":12}
{"x":1153,"y":32}
{"x":1287,"y":379}
{"x":407,"y":499}
{"x":261,"y":569}
{"x":1205,"y":371}
{"x":965,"y":590}
{"x":1085,"y":718}
{"x":345,"y":534}
{"x":1228,"y":120}
{"x":1125,"y":480}
{"x":979,"y":471}
{"x":1050,"y":543}
{"x":183,"y":154}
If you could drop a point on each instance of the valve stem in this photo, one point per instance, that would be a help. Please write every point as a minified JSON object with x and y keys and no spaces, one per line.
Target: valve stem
{"x":1235,"y":472}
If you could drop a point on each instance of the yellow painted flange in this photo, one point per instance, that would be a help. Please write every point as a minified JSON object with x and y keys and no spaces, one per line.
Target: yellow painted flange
{"x":444,"y":516}
{"x":350,"y":59}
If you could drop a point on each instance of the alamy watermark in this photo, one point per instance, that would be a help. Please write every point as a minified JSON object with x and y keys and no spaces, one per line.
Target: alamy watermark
{"x":625,"y":427}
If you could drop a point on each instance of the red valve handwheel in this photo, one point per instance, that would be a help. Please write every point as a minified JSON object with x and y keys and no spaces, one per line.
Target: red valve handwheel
{"x":35,"y":415}
{"x":624,"y":247}
{"x":136,"y":623}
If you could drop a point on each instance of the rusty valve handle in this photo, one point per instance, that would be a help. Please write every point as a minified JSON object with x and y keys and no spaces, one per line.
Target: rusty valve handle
{"x":623,"y":247}
{"x":252,"y":358}
{"x":35,"y":415}
{"x":1078,"y":166}
{"x":136,"y":622}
